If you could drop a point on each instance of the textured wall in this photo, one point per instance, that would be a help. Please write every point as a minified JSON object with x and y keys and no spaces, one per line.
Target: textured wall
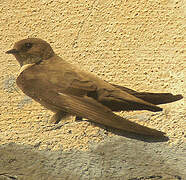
{"x":138,"y":44}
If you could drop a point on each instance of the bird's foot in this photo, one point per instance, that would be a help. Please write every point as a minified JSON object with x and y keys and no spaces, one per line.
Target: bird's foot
{"x":78,"y":119}
{"x":54,"y":121}
{"x":55,"y":126}
{"x":56,"y":118}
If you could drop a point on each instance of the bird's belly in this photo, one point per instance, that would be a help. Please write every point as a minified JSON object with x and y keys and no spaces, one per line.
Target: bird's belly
{"x":36,"y":93}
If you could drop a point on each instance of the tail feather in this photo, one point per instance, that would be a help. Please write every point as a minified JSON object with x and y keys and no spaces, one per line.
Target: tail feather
{"x":154,"y":98}
{"x":158,"y":98}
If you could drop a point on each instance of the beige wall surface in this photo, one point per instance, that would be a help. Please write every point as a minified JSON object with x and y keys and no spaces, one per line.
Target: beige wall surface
{"x":138,"y":44}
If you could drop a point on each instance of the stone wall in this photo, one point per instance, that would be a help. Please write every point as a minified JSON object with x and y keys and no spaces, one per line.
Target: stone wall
{"x":138,"y":44}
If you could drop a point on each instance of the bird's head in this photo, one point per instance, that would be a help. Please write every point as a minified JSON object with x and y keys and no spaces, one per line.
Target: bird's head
{"x":31,"y":50}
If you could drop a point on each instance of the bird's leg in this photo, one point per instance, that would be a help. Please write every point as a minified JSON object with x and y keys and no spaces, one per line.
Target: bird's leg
{"x":56,"y":118}
{"x":78,"y":118}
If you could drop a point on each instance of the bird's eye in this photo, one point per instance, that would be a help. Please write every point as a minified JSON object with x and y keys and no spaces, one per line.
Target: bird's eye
{"x":28,"y":45}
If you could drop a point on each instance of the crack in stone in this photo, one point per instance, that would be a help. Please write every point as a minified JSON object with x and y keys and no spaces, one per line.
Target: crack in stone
{"x":154,"y":177}
{"x":8,"y":176}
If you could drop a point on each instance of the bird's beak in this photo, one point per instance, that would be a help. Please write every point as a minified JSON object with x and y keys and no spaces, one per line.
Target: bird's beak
{"x":12,"y":51}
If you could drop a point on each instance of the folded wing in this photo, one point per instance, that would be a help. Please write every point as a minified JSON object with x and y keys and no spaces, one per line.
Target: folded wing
{"x":49,"y":95}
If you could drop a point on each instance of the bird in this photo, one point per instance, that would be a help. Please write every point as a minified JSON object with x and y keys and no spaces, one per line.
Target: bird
{"x":67,"y":90}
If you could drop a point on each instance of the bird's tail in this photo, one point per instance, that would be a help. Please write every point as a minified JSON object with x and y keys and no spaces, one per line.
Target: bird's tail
{"x":153,"y":98}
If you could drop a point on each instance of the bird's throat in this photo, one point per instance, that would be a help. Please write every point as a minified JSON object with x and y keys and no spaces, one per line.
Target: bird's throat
{"x":24,"y":67}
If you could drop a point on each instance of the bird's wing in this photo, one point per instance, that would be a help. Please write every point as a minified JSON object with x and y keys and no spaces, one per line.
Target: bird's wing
{"x":82,"y":83}
{"x":73,"y":81}
{"x":78,"y":81}
{"x":45,"y":91}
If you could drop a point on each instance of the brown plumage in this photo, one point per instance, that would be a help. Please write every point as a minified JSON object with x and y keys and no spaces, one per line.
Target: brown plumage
{"x":65,"y":89}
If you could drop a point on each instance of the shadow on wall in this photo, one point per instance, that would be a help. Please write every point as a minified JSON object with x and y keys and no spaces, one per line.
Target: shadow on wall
{"x":117,"y":159}
{"x":9,"y":85}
